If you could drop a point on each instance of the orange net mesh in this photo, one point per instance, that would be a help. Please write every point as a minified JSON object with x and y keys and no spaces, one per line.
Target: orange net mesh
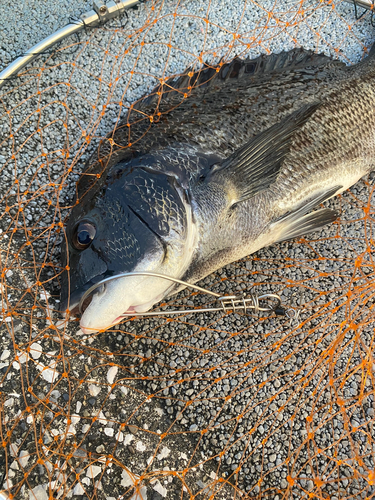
{"x":200,"y":406}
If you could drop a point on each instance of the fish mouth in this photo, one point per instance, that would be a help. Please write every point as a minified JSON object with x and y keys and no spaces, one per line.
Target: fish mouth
{"x":110,"y":301}
{"x":72,"y":303}
{"x":142,"y":308}
{"x":77,"y":310}
{"x":91,"y":301}
{"x":88,"y":331}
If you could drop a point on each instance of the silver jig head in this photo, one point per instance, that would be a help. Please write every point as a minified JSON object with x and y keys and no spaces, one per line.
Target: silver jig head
{"x":268,"y":302}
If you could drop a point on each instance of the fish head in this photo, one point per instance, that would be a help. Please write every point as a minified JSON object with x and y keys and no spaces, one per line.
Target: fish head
{"x":138,"y":220}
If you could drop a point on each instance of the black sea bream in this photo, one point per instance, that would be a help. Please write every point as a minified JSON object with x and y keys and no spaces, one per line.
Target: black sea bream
{"x":239,"y":164}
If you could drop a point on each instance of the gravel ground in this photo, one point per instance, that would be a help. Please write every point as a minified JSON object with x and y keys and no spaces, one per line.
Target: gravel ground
{"x":271,"y":407}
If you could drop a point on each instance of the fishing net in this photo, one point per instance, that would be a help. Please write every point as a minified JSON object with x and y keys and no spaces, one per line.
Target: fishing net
{"x":212,"y":405}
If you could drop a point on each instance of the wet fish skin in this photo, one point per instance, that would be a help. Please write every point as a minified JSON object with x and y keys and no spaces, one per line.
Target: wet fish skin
{"x":214,"y":118}
{"x":245,"y":160}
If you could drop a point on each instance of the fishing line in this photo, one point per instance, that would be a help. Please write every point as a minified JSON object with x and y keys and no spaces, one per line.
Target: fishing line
{"x":268,"y":302}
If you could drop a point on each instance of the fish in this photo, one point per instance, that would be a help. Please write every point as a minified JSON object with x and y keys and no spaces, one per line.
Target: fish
{"x":209,"y":168}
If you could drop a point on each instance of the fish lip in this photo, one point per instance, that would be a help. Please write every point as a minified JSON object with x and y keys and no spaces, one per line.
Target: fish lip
{"x":72,"y":302}
{"x":69,"y":305}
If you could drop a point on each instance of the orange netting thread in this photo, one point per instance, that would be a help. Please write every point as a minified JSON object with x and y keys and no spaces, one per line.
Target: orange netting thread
{"x":211,"y":406}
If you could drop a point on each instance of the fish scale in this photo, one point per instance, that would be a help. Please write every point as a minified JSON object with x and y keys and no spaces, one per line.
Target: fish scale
{"x":331,"y":134}
{"x":241,"y":163}
{"x":163,"y":208}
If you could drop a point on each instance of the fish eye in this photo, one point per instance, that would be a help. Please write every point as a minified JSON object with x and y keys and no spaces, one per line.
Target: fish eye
{"x":83,"y":235}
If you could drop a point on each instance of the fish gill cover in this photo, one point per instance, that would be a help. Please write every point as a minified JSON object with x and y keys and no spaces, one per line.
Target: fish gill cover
{"x":215,"y":405}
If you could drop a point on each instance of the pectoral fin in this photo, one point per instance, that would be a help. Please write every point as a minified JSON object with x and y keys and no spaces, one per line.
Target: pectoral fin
{"x":255,"y":166}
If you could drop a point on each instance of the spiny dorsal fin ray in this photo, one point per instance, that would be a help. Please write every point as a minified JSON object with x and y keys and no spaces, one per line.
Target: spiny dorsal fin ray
{"x":258,"y":68}
{"x":300,"y":222}
{"x":255,"y":166}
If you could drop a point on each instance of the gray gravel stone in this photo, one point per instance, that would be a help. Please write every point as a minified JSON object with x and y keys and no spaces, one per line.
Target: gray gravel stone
{"x":250,"y":384}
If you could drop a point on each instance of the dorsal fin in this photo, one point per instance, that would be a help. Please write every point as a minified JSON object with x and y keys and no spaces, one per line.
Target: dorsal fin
{"x":262,"y":66}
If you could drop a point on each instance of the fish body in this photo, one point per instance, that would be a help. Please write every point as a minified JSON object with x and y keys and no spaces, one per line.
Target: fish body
{"x":240,"y":164}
